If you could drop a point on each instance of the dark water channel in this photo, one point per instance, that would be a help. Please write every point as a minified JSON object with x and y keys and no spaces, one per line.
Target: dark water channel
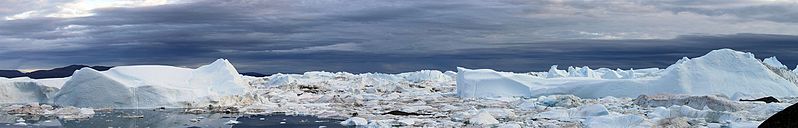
{"x":171,"y":118}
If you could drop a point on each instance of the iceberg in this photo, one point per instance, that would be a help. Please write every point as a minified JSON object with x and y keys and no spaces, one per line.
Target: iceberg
{"x":24,"y":91}
{"x":780,"y":69}
{"x":150,"y":86}
{"x":722,"y":71}
{"x":774,"y":62}
{"x":582,"y":72}
{"x":609,"y":74}
{"x":795,"y":70}
{"x":600,"y":73}
{"x":490,"y":83}
{"x":555,"y":73}
{"x":425,"y":75}
{"x":725,"y":71}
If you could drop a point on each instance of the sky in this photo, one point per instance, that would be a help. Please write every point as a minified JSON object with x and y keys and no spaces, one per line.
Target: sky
{"x":390,"y":36}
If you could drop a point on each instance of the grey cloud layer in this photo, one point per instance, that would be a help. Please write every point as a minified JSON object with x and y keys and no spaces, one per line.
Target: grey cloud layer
{"x":392,"y":36}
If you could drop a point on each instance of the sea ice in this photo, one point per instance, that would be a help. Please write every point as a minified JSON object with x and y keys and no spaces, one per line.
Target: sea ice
{"x":355,"y":121}
{"x":711,"y":101}
{"x":483,"y":118}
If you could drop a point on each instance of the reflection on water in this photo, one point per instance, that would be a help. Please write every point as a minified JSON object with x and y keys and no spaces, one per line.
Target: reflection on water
{"x":281,"y":120}
{"x":7,"y":121}
{"x":172,"y":118}
{"x":152,"y":119}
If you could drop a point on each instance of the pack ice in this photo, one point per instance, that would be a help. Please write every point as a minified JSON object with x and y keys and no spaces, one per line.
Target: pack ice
{"x":150,"y":86}
{"x":722,"y":71}
{"x":428,"y":98}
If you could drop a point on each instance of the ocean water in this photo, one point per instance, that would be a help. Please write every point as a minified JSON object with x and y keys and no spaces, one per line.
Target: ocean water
{"x":171,"y":118}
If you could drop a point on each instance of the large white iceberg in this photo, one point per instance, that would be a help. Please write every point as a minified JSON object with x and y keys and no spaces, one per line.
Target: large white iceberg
{"x":23,"y":91}
{"x":723,"y":71}
{"x":150,"y":86}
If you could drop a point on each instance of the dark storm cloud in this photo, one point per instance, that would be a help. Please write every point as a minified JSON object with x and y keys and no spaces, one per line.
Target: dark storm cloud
{"x":220,"y":25}
{"x":539,"y":56}
{"x":640,"y":53}
{"x":783,"y":11}
{"x":510,"y":57}
{"x":386,"y":36}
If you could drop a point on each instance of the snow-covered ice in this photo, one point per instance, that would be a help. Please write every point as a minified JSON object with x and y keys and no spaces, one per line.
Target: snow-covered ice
{"x":151,"y":86}
{"x":709,"y":101}
{"x":795,"y":70}
{"x":774,"y":62}
{"x":355,"y":121}
{"x":592,"y":110}
{"x":617,"y":121}
{"x":232,"y":122}
{"x":15,"y":91}
{"x":723,"y":71}
{"x":483,"y":118}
